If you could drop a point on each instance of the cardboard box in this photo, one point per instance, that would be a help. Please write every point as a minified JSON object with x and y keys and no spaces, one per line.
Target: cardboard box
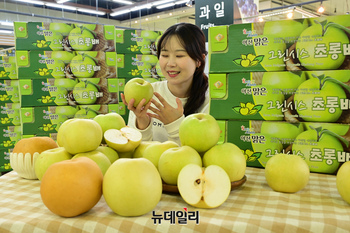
{"x":64,"y":36}
{"x":138,"y":65}
{"x":136,"y":41}
{"x":321,"y":96}
{"x":121,"y":85}
{"x":9,"y":136}
{"x":8,"y":68}
{"x":123,"y":111}
{"x":53,"y":92}
{"x":9,"y":92}
{"x":63,"y":64}
{"x":324,"y":146}
{"x":51,"y":135}
{"x":8,"y":52}
{"x":298,"y":44}
{"x":47,"y":120}
{"x":5,"y":164}
{"x":10,"y":114}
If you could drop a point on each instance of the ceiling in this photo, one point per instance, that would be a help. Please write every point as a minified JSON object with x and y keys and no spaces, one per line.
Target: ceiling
{"x":151,"y":19}
{"x":106,"y":6}
{"x":332,"y":7}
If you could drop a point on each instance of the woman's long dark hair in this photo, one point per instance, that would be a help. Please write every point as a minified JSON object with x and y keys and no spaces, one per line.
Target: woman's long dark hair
{"x":193,"y":40}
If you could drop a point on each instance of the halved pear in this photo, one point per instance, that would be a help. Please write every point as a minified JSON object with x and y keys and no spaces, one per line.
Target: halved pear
{"x":124,"y":140}
{"x":204,"y":187}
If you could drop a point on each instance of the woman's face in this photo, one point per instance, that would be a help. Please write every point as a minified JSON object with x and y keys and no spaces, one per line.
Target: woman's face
{"x":176,"y":65}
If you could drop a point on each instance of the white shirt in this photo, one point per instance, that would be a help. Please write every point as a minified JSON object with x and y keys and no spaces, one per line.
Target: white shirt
{"x":157,"y":131}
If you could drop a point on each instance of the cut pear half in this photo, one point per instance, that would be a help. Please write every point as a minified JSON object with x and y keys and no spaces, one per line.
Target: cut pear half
{"x":124,"y":140}
{"x":204,"y":187}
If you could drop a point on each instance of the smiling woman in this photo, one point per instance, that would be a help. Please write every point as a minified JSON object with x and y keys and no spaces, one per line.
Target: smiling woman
{"x":181,"y":53}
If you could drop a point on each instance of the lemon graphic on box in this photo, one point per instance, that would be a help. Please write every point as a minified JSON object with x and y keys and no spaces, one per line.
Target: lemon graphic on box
{"x":43,"y":71}
{"x":5,"y":120}
{"x":250,"y":155}
{"x":47,"y":127}
{"x":46,"y":99}
{"x":265,"y":101}
{"x":41,"y":43}
{"x":248,"y":60}
{"x":248,"y":108}
{"x":134,"y":48}
{"x":6,"y":166}
{"x":7,"y":144}
{"x":5,"y":97}
{"x":10,"y":70}
{"x":4,"y":74}
{"x":136,"y":72}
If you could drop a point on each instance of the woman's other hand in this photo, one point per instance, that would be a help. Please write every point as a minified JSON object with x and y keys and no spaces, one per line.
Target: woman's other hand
{"x":165,"y":112}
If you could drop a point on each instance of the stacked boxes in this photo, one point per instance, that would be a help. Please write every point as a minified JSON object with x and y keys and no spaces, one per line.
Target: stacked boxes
{"x":323,"y":145}
{"x":9,"y":108}
{"x":8,"y":65}
{"x":136,"y":58}
{"x":136,"y":41}
{"x":65,"y":64}
{"x":64,"y":71}
{"x":46,"y":120}
{"x":64,"y":37}
{"x":320,"y":96}
{"x":283,"y":87}
{"x":301,"y":44}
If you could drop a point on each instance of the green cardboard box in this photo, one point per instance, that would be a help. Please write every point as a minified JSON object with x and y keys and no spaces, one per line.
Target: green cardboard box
{"x":316,"y":96}
{"x":9,"y":136}
{"x":51,"y":135}
{"x":138,"y":65}
{"x":123,"y":111}
{"x":7,"y":52}
{"x":9,"y":92}
{"x":5,"y":164}
{"x":10,"y":114}
{"x":64,"y":64}
{"x":136,"y":41}
{"x":324,"y":146}
{"x":121,"y":85}
{"x":301,"y":44}
{"x":54,"y":92}
{"x":47,"y":120}
{"x":64,"y":36}
{"x":8,"y":68}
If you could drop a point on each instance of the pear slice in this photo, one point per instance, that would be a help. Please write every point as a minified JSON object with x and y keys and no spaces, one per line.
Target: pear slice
{"x":204,"y":187}
{"x":124,"y":140}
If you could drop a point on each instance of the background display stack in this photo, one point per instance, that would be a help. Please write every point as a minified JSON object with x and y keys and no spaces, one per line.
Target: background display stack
{"x":283,"y":86}
{"x":10,"y":124}
{"x":65,"y":71}
{"x":136,"y":58}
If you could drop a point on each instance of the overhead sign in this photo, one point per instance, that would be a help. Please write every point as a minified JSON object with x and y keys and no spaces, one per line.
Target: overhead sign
{"x":211,"y":13}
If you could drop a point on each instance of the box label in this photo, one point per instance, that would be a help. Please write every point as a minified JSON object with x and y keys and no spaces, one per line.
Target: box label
{"x":301,"y":44}
{"x":324,"y":146}
{"x":313,"y":96}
